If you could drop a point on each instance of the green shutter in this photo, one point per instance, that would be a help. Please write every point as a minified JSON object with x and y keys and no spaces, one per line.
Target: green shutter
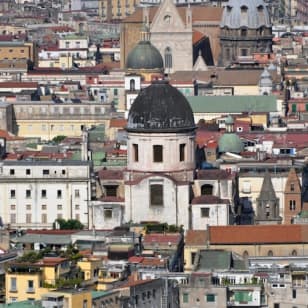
{"x":185,"y":298}
{"x":293,"y":107}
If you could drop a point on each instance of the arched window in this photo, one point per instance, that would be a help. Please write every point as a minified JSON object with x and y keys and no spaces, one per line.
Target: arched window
{"x":270,"y":253}
{"x":207,"y":189}
{"x":245,"y":255}
{"x":132,"y":84}
{"x":168,"y":57}
{"x":294,"y":253}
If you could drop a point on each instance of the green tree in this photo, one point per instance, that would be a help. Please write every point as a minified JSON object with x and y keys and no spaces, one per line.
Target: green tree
{"x":58,"y":139}
{"x":70,"y":224}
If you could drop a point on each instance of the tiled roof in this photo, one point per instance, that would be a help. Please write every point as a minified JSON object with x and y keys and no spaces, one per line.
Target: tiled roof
{"x":258,"y":234}
{"x":16,"y":84}
{"x":52,"y":232}
{"x":197,"y":36}
{"x":208,"y":199}
{"x":118,"y":123}
{"x":213,"y":174}
{"x":196,"y":238}
{"x":162,"y":238}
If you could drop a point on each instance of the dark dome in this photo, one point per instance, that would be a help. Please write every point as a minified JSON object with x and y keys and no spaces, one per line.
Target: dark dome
{"x":144,"y":56}
{"x":160,"y":108}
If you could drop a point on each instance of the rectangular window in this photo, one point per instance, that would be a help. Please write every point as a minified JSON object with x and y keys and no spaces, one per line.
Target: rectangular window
{"x":13,"y":218}
{"x":115,"y":92}
{"x":157,"y":153}
{"x":185,"y":297}
{"x":135,"y":152}
{"x":107,"y":213}
{"x":44,"y":218}
{"x":30,"y":286}
{"x":28,"y":218}
{"x":111,"y":190}
{"x":193,"y":257}
{"x":77,"y":193}
{"x":244,"y":52}
{"x":77,"y":216}
{"x":210,"y":298}
{"x":13,"y":207}
{"x":28,"y":207}
{"x":45,"y":171}
{"x":59,"y":206}
{"x":77,"y":207}
{"x":293,"y":293}
{"x":182,"y":151}
{"x":13,"y":285}
{"x":59,"y":193}
{"x":12,"y":171}
{"x":292,"y":187}
{"x":156,"y":195}
{"x":44,"y":207}
{"x":205,"y":212}
{"x":13,"y":193}
{"x":28,"y":171}
{"x":44,"y":193}
{"x":28,"y":193}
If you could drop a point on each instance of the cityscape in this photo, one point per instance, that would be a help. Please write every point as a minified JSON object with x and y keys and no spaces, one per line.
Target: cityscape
{"x":153,"y":153}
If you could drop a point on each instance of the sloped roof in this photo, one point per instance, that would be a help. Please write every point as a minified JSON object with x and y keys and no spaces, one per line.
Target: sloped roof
{"x":267,"y":192}
{"x":196,"y":237}
{"x":209,"y":199}
{"x":214,"y":259}
{"x":258,"y":234}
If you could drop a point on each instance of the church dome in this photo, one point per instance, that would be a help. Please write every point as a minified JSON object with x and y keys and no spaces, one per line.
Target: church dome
{"x":252,"y":14}
{"x":160,"y":108}
{"x":230,"y":142}
{"x":144,"y":56}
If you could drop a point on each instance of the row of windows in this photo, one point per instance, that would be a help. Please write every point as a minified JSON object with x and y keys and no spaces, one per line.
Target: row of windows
{"x":158,"y":153}
{"x":44,"y":172}
{"x":208,"y":298}
{"x":62,"y":110}
{"x":43,"y":207}
{"x":28,"y":193}
{"x":43,"y":218}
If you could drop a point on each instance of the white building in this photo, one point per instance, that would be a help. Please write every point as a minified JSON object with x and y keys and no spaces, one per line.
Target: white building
{"x":161,"y":158}
{"x":33,"y":194}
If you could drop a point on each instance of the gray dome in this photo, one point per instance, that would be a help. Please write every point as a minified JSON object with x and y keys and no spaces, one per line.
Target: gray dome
{"x":230,"y":142}
{"x":144,"y":56}
{"x":160,"y":108}
{"x":255,"y":16}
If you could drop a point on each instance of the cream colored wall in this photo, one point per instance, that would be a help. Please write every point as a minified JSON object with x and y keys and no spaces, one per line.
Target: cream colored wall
{"x":246,"y":90}
{"x":278,"y":182}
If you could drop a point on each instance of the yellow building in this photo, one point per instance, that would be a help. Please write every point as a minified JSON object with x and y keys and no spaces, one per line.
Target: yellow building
{"x":71,"y":298}
{"x":29,"y":281}
{"x":90,"y":268}
{"x":18,"y":50}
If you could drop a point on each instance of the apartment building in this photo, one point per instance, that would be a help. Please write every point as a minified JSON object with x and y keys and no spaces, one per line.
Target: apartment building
{"x":33,"y":194}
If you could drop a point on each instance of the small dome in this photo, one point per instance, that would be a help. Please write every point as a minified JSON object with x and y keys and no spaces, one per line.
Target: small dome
{"x":144,"y":56}
{"x":160,"y":108}
{"x":252,"y":14}
{"x":230,"y":143}
{"x":265,"y":79}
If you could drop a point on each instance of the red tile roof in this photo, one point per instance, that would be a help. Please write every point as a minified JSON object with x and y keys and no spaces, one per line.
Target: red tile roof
{"x":196,"y":238}
{"x":118,"y":123}
{"x":197,"y":36}
{"x":16,"y":84}
{"x":162,"y":238}
{"x":214,"y":174}
{"x":258,"y":234}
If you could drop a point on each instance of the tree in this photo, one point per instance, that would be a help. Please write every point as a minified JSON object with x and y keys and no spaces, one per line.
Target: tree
{"x":70,"y":224}
{"x":58,"y":139}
